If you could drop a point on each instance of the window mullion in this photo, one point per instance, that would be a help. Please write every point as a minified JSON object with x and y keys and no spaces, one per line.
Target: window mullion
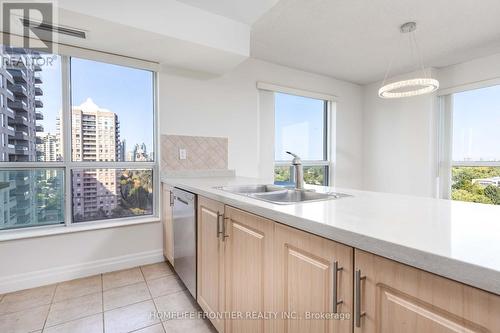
{"x":66,"y":136}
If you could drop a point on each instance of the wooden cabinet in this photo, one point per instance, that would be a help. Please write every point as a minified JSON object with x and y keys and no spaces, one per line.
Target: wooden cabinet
{"x":249,"y":264}
{"x":249,"y":270}
{"x":306,"y":281}
{"x":167,"y":221}
{"x":398,"y":298}
{"x":210,"y":259}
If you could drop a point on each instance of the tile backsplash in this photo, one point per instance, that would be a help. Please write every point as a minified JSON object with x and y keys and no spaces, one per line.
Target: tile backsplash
{"x":202,"y":153}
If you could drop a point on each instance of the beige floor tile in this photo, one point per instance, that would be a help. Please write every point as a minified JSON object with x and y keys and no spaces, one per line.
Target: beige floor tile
{"x":158,"y":328}
{"x":176,"y":302}
{"x":129,"y":318}
{"x":188,"y":325}
{"x":74,"y":308}
{"x":25,"y":299}
{"x":165,"y":285}
{"x":121,"y":278}
{"x":91,"y":324}
{"x":126,"y":295}
{"x":78,"y":287}
{"x":155,"y":271}
{"x":24,"y":321}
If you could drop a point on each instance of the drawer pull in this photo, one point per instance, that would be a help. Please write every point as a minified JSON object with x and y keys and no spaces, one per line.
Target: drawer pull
{"x":358,"y":313}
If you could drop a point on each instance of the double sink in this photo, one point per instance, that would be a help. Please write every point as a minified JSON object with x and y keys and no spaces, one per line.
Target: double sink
{"x":280,"y":194}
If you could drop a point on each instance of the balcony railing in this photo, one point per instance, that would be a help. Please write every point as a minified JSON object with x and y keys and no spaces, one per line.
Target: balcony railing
{"x":38,"y":115}
{"x":38,"y":77}
{"x":39,"y":128}
{"x":38,"y":103}
{"x":38,"y":91}
{"x":21,"y":120}
{"x":19,"y":75}
{"x":10,"y":113}
{"x":18,"y":105}
{"x":19,"y":90}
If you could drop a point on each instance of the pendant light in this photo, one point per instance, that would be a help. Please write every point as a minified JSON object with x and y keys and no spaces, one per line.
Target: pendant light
{"x":420,"y":85}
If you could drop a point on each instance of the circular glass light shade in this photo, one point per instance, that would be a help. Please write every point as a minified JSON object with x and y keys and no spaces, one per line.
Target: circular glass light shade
{"x":408,"y":88}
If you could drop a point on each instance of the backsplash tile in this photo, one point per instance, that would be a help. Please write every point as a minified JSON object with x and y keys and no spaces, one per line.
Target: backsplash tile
{"x":202,"y":153}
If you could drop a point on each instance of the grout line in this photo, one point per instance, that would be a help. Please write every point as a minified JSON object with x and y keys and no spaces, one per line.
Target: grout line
{"x":152,"y":299}
{"x":69,"y":321}
{"x":139,"y":329}
{"x":50,"y":307}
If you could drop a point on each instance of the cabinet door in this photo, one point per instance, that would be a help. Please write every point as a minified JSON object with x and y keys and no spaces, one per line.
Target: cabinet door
{"x":306,"y":281}
{"x":399,"y":298}
{"x":210,"y":276}
{"x":168,"y":231}
{"x":249,"y":268}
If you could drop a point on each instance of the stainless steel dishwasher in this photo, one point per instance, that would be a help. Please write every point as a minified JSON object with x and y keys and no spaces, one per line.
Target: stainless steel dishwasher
{"x":184,"y":214}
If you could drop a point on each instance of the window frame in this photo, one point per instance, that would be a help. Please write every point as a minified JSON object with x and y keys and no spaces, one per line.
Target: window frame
{"x":67,"y":165}
{"x":445,"y":136}
{"x":328,"y":143}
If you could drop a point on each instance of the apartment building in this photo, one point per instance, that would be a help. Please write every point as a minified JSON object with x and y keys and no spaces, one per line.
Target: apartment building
{"x":20,"y":81}
{"x":95,"y":137}
{"x":47,"y":147}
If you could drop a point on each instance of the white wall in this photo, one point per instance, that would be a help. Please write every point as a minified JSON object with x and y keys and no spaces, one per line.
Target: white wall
{"x":398,"y":143}
{"x":229,"y":105}
{"x":400,"y":136}
{"x":32,"y":262}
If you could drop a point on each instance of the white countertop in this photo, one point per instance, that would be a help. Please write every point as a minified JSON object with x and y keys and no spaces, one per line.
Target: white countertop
{"x":457,"y":240}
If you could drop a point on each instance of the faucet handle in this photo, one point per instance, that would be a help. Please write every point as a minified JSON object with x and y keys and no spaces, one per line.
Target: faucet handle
{"x":296,"y":159}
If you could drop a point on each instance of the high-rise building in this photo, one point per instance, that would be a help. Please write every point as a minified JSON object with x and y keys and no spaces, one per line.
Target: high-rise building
{"x":95,"y":137}
{"x":19,"y":91}
{"x":140,"y":153}
{"x":20,"y":77}
{"x":47,"y":146}
{"x":122,"y":151}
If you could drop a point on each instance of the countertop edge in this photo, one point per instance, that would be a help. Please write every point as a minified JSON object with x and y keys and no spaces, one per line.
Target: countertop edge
{"x":464,"y":272}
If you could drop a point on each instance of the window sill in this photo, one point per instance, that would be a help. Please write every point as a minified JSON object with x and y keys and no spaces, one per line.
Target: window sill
{"x":8,"y":235}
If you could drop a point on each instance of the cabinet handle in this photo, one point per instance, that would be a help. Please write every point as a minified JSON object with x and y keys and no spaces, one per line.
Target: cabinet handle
{"x":336,"y":270}
{"x":224,"y":236}
{"x":219,"y":231}
{"x":171,"y":198}
{"x":358,"y":314}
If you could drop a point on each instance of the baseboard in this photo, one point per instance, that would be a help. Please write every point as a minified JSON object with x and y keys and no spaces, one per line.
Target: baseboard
{"x":63,"y":273}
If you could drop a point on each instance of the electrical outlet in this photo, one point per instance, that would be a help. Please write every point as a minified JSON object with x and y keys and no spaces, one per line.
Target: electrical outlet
{"x":182,"y":154}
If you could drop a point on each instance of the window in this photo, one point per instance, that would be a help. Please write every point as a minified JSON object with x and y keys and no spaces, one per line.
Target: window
{"x":475,"y":151}
{"x":301,"y":126}
{"x":99,"y":145}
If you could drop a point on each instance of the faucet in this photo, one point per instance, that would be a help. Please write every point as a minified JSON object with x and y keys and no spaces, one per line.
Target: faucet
{"x":299,"y":171}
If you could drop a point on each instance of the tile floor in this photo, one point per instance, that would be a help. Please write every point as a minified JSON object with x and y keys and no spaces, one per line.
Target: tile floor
{"x":120,"y":301}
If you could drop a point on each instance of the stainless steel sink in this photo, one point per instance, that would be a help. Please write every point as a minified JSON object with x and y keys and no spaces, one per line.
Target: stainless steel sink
{"x":250,"y":189}
{"x":279,"y":194}
{"x":294,"y":196}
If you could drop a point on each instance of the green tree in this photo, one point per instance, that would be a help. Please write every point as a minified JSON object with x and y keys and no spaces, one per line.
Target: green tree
{"x":493,"y":193}
{"x":464,"y":188}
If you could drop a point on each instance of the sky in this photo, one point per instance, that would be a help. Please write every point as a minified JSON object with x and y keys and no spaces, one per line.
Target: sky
{"x":476,"y":125}
{"x":299,"y":127}
{"x":126,"y":91}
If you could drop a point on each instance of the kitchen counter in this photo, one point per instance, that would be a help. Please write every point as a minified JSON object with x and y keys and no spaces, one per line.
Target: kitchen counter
{"x":453,"y":239}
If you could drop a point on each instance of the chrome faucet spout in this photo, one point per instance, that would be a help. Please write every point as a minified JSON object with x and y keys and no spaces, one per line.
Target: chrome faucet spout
{"x":299,"y":171}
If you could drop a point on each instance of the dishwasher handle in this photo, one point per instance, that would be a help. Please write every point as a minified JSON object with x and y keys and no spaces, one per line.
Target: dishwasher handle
{"x":181,"y":200}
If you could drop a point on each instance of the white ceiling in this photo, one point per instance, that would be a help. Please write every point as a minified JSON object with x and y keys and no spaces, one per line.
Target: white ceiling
{"x":354,"y":40}
{"x":245,"y":11}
